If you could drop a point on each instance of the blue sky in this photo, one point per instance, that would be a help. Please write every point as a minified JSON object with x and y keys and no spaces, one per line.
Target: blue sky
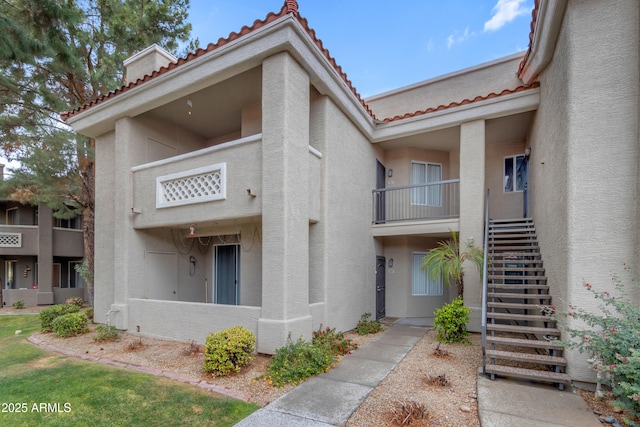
{"x":386,"y":44}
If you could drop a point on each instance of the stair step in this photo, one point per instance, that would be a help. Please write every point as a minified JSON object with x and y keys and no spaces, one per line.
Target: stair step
{"x":505,"y":230}
{"x":523,"y":329}
{"x":517,"y":269}
{"x":512,"y":256}
{"x":520,"y":342}
{"x":529,"y":374}
{"x":528,"y":240}
{"x":519,"y":296}
{"x":514,"y":305}
{"x":495,"y":261}
{"x":522,"y":316}
{"x":514,"y":277}
{"x":523,"y":250}
{"x":517,"y":286}
{"x":527,"y":357}
{"x":510,"y":221}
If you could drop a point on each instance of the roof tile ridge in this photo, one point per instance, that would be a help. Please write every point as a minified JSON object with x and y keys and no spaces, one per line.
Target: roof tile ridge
{"x":532,"y":27}
{"x":463,"y":102}
{"x":318,"y":42}
{"x":258,"y":23}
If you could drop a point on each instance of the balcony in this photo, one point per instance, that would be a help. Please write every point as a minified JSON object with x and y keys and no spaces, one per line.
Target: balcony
{"x":432,"y":208}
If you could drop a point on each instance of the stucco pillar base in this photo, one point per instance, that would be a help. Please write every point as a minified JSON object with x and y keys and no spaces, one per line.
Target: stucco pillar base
{"x":118,"y":316}
{"x":475,"y":316}
{"x":44,"y":298}
{"x":272,"y":334}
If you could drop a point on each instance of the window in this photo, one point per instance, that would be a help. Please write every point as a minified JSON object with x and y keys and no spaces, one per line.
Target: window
{"x":514,"y":174}
{"x":75,"y":279}
{"x":425,"y":173}
{"x":74,"y":223}
{"x":421,"y":281}
{"x":12,"y":216}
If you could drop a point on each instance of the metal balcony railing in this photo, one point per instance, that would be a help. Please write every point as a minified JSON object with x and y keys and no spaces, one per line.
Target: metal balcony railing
{"x":435,"y":200}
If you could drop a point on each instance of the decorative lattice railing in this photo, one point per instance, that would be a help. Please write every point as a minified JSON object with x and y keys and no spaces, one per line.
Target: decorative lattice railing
{"x":192,"y":186}
{"x":10,"y":240}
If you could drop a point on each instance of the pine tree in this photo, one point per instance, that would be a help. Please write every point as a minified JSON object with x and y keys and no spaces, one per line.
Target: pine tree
{"x":56,"y":56}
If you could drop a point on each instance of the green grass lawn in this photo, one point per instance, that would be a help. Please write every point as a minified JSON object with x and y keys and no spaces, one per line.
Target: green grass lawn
{"x":53,"y":390}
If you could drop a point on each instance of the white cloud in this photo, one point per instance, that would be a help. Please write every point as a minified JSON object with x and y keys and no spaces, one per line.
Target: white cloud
{"x":456,"y":37}
{"x":504,"y":12}
{"x":430,"y":45}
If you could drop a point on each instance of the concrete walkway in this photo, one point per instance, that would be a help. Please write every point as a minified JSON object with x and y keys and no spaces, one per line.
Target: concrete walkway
{"x":330,"y":399}
{"x":507,"y":403}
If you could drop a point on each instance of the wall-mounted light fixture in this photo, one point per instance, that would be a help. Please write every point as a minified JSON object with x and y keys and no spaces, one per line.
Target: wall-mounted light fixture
{"x":390,"y":173}
{"x":250,"y":193}
{"x":192,"y":231}
{"x":390,"y":262}
{"x":527,"y":151}
{"x":189,"y":105}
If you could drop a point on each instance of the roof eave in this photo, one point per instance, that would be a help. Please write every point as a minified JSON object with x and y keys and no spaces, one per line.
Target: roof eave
{"x":547,"y":25}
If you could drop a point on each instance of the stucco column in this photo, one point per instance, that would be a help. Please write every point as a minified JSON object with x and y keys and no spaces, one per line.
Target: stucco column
{"x":285,"y":216}
{"x":45,"y":255}
{"x":472,"y":193}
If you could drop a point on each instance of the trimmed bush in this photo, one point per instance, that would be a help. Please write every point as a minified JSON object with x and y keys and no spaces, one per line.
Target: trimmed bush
{"x":18,"y":304}
{"x":48,"y":315}
{"x":229,"y":350}
{"x":367,"y":326}
{"x":89,"y":312}
{"x":297,"y":361}
{"x":75,"y":301}
{"x":451,"y":322}
{"x":70,"y":324}
{"x":106,"y":333}
{"x":335,"y":341}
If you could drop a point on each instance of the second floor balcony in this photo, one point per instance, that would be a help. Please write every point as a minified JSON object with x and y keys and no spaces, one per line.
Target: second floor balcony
{"x":417,"y":209}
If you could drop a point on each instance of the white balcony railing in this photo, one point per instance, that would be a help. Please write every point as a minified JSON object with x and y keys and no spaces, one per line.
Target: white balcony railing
{"x":435,"y":200}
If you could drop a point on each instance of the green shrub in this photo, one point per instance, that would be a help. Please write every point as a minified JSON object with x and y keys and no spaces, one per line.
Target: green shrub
{"x":229,"y":350}
{"x":451,"y":322}
{"x":70,"y":324}
{"x":18,"y":304}
{"x":106,"y":333}
{"x":89,"y":312}
{"x":297,"y":361}
{"x":367,"y":326}
{"x":335,"y":341}
{"x":48,"y":315}
{"x":612,"y":336}
{"x":75,"y":301}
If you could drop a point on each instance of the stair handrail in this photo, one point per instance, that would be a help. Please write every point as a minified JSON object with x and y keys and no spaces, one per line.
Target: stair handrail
{"x":485,"y":269}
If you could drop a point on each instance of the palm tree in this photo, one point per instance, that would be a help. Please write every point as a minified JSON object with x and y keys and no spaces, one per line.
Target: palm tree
{"x":447,"y":260}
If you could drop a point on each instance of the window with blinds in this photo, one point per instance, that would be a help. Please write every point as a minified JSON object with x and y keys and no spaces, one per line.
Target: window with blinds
{"x":422,"y":283}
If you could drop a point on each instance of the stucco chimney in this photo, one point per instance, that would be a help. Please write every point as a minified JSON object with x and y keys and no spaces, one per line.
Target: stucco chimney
{"x":146,"y":62}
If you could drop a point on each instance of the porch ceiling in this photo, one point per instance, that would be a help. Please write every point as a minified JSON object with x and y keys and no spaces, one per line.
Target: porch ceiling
{"x":510,"y":128}
{"x":215,"y":110}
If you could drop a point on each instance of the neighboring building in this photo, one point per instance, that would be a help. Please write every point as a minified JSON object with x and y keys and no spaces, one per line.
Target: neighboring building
{"x":38,"y":255}
{"x":236,"y":185}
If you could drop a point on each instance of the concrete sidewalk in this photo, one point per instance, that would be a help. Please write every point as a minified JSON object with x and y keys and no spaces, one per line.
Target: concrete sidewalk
{"x":330,"y":399}
{"x":507,"y":403}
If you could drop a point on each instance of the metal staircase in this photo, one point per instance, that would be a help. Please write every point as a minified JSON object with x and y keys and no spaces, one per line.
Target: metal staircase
{"x":518,"y":336}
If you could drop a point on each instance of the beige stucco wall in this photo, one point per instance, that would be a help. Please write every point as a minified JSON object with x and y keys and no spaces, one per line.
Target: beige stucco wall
{"x":584,"y":155}
{"x":465,"y":84}
{"x":400,"y":301}
{"x":342,"y":249}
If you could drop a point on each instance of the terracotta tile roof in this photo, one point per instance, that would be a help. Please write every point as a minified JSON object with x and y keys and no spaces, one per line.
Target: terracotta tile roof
{"x":534,"y":20}
{"x":291,"y":7}
{"x":463,"y":102}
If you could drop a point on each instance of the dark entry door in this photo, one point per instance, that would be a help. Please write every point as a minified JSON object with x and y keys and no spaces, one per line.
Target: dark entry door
{"x":380,"y":287}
